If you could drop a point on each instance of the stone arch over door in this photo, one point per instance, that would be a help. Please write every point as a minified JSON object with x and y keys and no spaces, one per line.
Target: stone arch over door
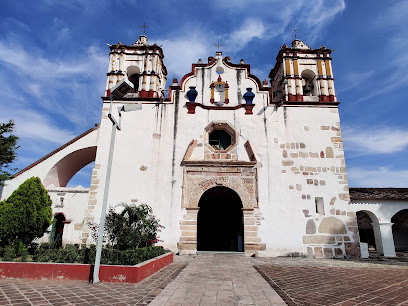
{"x":220,"y":222}
{"x":200,"y":177}
{"x":244,"y":189}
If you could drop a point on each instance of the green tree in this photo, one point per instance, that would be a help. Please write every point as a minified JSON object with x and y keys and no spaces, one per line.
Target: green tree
{"x":8,"y":147}
{"x":134,"y":227}
{"x":26,"y":214}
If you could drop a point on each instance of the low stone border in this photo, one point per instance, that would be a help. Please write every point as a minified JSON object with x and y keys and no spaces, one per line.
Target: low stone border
{"x":63,"y":271}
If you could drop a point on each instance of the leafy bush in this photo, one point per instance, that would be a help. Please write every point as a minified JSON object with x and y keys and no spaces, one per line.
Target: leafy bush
{"x":26,"y":214}
{"x":134,"y":227}
{"x":110,"y":256}
{"x":9,"y":253}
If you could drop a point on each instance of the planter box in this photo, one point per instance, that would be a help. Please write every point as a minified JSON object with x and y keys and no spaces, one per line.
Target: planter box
{"x":63,"y":271}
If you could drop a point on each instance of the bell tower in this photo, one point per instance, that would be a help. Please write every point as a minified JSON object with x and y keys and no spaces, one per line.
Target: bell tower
{"x":303,"y":74}
{"x":141,"y":64}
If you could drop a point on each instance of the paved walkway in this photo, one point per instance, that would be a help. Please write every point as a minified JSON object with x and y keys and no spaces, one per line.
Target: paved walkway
{"x":46,"y":292}
{"x":216,"y":279}
{"x":336,"y":282}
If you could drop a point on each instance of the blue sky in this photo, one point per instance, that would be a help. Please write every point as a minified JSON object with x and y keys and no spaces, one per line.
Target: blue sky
{"x":54,"y":58}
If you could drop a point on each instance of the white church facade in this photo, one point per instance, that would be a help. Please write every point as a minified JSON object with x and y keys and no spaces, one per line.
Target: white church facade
{"x":227,"y":162}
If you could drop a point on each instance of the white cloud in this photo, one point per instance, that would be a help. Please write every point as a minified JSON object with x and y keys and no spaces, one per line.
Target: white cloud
{"x":34,"y":125}
{"x":273,"y":19}
{"x":378,"y":140}
{"x":354,"y":79}
{"x":316,"y":15}
{"x":80,"y":79}
{"x":180,"y":52}
{"x":378,"y":177}
{"x":13,"y":23}
{"x":250,"y":29}
{"x":34,"y":65}
{"x":60,"y":30}
{"x":394,"y":71}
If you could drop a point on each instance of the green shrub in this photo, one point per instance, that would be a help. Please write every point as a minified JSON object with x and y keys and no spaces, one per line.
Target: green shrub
{"x":110,"y":256}
{"x":134,"y":227}
{"x":9,"y":253}
{"x":26,"y":214}
{"x":24,"y":255}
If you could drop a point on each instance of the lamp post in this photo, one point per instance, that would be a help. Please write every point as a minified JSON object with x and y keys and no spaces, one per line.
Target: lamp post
{"x":119,"y":90}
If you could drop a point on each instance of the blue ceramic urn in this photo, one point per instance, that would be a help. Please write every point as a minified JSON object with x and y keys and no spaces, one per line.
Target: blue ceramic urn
{"x":192,"y":94}
{"x":249,"y":96}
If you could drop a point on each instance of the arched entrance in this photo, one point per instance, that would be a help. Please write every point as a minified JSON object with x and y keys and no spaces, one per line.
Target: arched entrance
{"x":365,"y":230}
{"x":57,"y":230}
{"x":400,"y":230}
{"x":220,"y":225}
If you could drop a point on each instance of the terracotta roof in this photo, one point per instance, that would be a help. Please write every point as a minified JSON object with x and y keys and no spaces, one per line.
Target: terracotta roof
{"x":56,"y":150}
{"x":379,"y":193}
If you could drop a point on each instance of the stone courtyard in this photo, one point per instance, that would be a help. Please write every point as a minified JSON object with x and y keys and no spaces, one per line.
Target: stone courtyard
{"x":221,"y":279}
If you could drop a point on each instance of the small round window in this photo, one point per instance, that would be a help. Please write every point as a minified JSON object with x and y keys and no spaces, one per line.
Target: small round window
{"x":220,"y":139}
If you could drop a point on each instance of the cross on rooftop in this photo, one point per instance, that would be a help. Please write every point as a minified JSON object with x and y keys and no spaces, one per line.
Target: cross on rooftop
{"x":218,"y":45}
{"x":295,"y":31}
{"x":144,"y":27}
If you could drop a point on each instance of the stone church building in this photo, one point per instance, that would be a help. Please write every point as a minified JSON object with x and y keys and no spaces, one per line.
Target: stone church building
{"x":227,"y":162}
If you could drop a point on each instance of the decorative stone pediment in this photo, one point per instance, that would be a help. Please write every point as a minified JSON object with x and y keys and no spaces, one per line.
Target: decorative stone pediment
{"x":201,"y":176}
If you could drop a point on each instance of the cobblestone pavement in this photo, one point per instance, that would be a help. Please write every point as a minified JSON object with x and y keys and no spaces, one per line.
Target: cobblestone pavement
{"x":335,"y":282}
{"x":46,"y":292}
{"x":218,"y":279}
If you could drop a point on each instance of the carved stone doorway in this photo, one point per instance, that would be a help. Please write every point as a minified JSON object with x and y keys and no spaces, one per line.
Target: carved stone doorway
{"x":220,"y":224}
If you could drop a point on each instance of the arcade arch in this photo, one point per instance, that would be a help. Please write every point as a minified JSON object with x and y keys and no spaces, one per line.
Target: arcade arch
{"x":400,"y":230}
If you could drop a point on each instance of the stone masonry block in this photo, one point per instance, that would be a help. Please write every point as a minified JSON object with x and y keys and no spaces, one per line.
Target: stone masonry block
{"x":188,"y":233}
{"x":310,"y":227}
{"x":318,"y":252}
{"x":287,"y":162}
{"x":318,"y":239}
{"x":344,"y":196}
{"x":332,"y":225}
{"x":328,"y":252}
{"x":303,"y":154}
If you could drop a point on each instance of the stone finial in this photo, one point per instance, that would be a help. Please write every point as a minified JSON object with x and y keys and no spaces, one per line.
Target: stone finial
{"x":242,"y":61}
{"x":200,"y":61}
{"x":175,"y":82}
{"x":265,"y":82}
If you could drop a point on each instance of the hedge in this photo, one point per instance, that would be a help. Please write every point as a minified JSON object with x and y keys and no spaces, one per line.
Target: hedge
{"x":86,"y":255}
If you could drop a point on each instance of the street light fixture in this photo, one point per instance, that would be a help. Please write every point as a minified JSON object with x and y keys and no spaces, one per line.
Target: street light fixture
{"x":118,"y":91}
